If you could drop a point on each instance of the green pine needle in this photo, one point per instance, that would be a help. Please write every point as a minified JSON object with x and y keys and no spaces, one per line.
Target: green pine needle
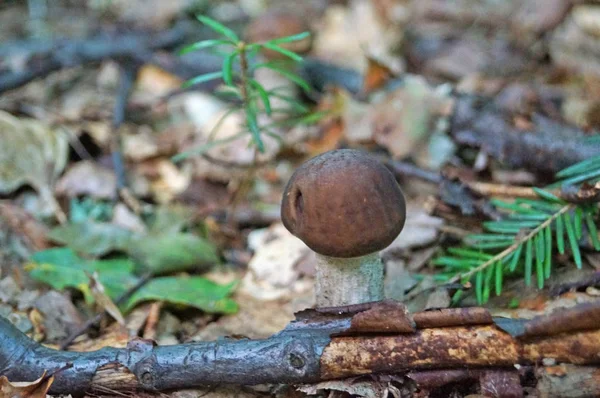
{"x":523,"y":241}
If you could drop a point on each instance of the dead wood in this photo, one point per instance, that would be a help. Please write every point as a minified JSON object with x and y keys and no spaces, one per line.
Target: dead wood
{"x":318,"y":346}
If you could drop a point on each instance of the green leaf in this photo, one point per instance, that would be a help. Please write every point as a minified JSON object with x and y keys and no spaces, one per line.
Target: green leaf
{"x":539,"y":260}
{"x":528,"y":262}
{"x":581,"y":178}
{"x":172,"y":252}
{"x":530,"y":217}
{"x":281,"y":50}
{"x":202,"y":45}
{"x":456,"y":297}
{"x":572,"y":240}
{"x":579,"y":168}
{"x":471,"y":254}
{"x":489,"y":272}
{"x":479,"y":287}
{"x":518,"y":208}
{"x":509,"y":226}
{"x":264,"y":96}
{"x":548,"y":256}
{"x":499,"y":273}
{"x":91,"y":238}
{"x":515,"y":260}
{"x":560,"y":235}
{"x":228,"y":68}
{"x":219,"y":28}
{"x":202,"y":79}
{"x":286,"y":73}
{"x":490,"y":245}
{"x":489,"y":237}
{"x":455,"y":262}
{"x":591,"y":226}
{"x":61,"y":268}
{"x":578,"y":223}
{"x":547,"y":195}
{"x":539,"y":205}
{"x":254,"y":129}
{"x":539,"y":242}
{"x":289,"y":39}
{"x":191,"y":291}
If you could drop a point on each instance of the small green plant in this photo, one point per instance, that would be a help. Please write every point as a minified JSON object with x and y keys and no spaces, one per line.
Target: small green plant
{"x":248,"y":94}
{"x":524,"y":241}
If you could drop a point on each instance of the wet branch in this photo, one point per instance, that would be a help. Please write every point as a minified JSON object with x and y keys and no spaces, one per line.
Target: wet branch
{"x":381,"y":338}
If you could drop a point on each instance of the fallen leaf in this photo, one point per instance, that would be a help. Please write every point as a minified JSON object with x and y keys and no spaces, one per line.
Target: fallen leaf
{"x":173,"y":252}
{"x":376,"y":76}
{"x":22,"y":223}
{"x":367,"y":388}
{"x":102,"y":300}
{"x":55,"y":315}
{"x":32,"y":154}
{"x":62,"y":268}
{"x":125,"y":218}
{"x":93,"y":238}
{"x":88,"y":178}
{"x":347,"y":34}
{"x":406,"y":118}
{"x":34,"y":389}
{"x":191,"y":291}
{"x":273,"y":268}
{"x":420,"y":229}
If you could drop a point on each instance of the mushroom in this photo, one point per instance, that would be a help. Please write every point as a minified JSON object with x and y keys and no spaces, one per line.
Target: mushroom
{"x":345,"y":206}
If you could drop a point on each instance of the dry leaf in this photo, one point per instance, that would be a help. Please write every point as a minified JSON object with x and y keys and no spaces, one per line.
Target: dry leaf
{"x":34,"y":389}
{"x":273,"y":272}
{"x":32,"y":153}
{"x":25,"y":225}
{"x":420,"y":229}
{"x":407,"y":117}
{"x":350,"y":33}
{"x":102,"y":300}
{"x":88,"y":178}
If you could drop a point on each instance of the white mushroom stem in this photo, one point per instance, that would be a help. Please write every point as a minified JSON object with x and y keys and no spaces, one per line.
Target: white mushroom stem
{"x":345,"y":281}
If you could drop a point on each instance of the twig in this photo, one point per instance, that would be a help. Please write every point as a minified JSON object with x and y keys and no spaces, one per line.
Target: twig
{"x":98,"y":317}
{"x":51,"y":56}
{"x":128,"y":75}
{"x":512,"y":247}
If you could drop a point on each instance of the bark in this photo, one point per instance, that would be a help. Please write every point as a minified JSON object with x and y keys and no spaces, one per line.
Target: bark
{"x":320,"y":345}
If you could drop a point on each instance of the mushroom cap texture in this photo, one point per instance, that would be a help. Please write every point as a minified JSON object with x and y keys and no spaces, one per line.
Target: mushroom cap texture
{"x":343,"y":203}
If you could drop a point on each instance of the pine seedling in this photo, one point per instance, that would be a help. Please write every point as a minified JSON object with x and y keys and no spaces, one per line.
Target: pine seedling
{"x":524,"y":241}
{"x":249,"y":95}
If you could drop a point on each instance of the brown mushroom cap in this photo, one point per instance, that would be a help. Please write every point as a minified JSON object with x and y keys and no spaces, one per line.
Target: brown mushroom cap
{"x":343,"y":203}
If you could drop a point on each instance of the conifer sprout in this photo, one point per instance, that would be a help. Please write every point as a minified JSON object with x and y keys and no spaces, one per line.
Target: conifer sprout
{"x":346,"y":207}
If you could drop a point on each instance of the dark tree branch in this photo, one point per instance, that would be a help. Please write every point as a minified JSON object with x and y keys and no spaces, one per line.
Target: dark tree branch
{"x":317,"y":346}
{"x":49,"y":56}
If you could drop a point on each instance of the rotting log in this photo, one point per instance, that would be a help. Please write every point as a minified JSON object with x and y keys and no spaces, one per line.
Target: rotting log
{"x":319,"y":345}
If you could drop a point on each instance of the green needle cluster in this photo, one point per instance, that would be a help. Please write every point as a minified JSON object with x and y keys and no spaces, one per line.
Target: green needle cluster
{"x":237,"y":74}
{"x":524,"y":241}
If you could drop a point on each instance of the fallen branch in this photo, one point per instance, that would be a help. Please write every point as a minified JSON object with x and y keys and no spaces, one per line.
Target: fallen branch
{"x":320,"y":345}
{"x":45,"y":57}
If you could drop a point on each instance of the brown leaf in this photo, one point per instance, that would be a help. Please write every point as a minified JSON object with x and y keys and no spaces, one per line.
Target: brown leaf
{"x":34,"y":389}
{"x":376,"y":76}
{"x":32,"y":153}
{"x":102,"y":299}
{"x":25,"y":225}
{"x":88,"y":178}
